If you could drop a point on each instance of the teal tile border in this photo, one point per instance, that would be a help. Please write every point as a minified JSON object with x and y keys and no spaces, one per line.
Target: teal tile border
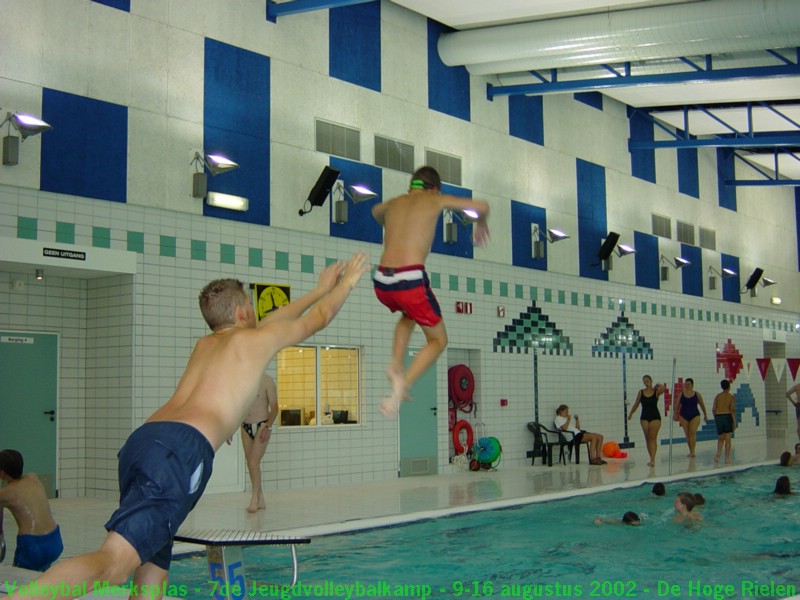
{"x":136,"y":242}
{"x":168,"y":246}
{"x":65,"y":232}
{"x":255,"y":257}
{"x":227,"y":254}
{"x":282,"y":260}
{"x":198,"y":250}
{"x":27,"y":228}
{"x":306,"y":263}
{"x":101,"y":237}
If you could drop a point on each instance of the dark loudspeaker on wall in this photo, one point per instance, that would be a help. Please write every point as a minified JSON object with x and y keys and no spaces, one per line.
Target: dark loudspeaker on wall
{"x":608,"y":246}
{"x":754,"y":277}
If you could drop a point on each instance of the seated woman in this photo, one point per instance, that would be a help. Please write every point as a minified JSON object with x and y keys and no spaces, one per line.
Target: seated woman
{"x":562,"y":423}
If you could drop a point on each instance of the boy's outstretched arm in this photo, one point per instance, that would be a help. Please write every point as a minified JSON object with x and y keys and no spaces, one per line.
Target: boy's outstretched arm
{"x":327,"y":279}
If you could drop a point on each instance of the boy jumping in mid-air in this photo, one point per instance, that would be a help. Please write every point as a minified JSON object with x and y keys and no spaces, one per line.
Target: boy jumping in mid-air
{"x":166,"y":463}
{"x":38,"y":535}
{"x":401,"y":283}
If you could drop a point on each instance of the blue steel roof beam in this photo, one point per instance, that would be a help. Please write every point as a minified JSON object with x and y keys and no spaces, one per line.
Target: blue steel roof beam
{"x":661,"y":125}
{"x":275,"y":10}
{"x":781,"y":57}
{"x":585,"y":85}
{"x":767,"y":141}
{"x":714,"y":117}
{"x":690,"y":63}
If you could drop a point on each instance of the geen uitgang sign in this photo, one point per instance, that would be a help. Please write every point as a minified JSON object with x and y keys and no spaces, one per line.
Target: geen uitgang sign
{"x":59,"y":253}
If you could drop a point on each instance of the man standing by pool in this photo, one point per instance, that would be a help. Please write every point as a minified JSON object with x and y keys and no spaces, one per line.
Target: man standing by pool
{"x":724,"y":411}
{"x":165,"y":464}
{"x":795,"y":389}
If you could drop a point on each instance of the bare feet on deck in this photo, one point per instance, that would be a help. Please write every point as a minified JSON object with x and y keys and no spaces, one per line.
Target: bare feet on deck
{"x":257,"y":504}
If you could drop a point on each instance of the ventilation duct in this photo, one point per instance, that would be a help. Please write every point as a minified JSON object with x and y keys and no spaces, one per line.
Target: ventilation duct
{"x":698,"y":28}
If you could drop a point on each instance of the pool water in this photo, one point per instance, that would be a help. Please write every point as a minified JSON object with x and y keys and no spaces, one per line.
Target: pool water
{"x":745,"y":546}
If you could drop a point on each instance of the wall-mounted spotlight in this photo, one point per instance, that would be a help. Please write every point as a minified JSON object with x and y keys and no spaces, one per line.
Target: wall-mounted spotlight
{"x":214,"y":164}
{"x":450,"y":235}
{"x":713,"y":274}
{"x":357,"y":193}
{"x":676,"y":263}
{"x":321,"y":190}
{"x":27,"y":126}
{"x":537,"y":244}
{"x":39,"y":274}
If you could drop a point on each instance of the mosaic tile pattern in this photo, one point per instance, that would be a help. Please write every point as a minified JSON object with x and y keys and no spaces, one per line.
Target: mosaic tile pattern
{"x":532,"y":329}
{"x":622,"y":338}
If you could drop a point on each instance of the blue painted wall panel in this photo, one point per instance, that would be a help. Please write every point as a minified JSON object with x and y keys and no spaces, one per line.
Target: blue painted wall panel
{"x":354,"y":44}
{"x":593,"y":99}
{"x":448,"y":87}
{"x":360,"y":224}
{"x":526,"y":118}
{"x":118,"y":4}
{"x":236,"y":123}
{"x":647,"y":260}
{"x":643,"y":162}
{"x":692,"y":275}
{"x":688,"y":181}
{"x":726,"y":170}
{"x":522,"y":216}
{"x":463,"y":246}
{"x":797,"y":222}
{"x":591,"y":183}
{"x":732,"y":285}
{"x":86,"y":152}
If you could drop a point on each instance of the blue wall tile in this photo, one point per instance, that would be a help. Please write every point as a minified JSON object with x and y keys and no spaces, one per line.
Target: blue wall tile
{"x":692,"y":275}
{"x":448,"y":87}
{"x":236,"y":121}
{"x":360,"y":223}
{"x":526,"y":118}
{"x":643,"y":162}
{"x":522,"y":216}
{"x":593,"y":99}
{"x":732,"y":285}
{"x":86,"y":152}
{"x":726,"y":169}
{"x":688,"y":182}
{"x":354,"y":44}
{"x":591,"y":182}
{"x":647,"y":260}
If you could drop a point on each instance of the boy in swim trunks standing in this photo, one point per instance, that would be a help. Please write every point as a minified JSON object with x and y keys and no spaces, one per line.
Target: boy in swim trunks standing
{"x":166,"y":463}
{"x":256,"y":434}
{"x":38,"y":535}
{"x":724,"y":411}
{"x":401,"y":284}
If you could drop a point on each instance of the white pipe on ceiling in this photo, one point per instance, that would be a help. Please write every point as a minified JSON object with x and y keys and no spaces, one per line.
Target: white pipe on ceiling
{"x":698,"y":28}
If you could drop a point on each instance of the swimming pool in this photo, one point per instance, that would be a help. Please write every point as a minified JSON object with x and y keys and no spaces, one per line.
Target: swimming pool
{"x":746,"y":546}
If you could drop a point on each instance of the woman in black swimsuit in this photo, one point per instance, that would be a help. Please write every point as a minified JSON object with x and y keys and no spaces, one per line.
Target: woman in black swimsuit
{"x":650,"y":418}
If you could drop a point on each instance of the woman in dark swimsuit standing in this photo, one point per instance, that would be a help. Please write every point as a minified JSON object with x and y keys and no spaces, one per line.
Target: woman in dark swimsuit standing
{"x":688,"y":413}
{"x":650,"y":419}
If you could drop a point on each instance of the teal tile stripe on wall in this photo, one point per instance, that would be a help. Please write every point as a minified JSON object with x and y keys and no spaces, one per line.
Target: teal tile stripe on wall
{"x":27,"y":228}
{"x":436,"y":280}
{"x":453,"y":283}
{"x":65,"y":233}
{"x":471,"y":285}
{"x":227,"y":254}
{"x":255,"y":257}
{"x":306,"y":263}
{"x":198,"y":249}
{"x":101,"y":237}
{"x":136,"y":241}
{"x":168,"y":246}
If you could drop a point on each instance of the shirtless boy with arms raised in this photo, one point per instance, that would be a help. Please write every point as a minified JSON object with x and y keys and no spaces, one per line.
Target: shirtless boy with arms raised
{"x":38,"y":535}
{"x":401,"y":283}
{"x":166,"y":463}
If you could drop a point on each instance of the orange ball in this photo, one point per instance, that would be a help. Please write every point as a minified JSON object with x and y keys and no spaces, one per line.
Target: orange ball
{"x":610,"y":449}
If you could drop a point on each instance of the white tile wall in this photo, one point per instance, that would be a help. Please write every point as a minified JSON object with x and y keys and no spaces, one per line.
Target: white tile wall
{"x":125,"y":340}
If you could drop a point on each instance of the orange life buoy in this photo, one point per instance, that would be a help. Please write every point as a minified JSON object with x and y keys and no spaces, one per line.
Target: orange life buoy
{"x":462,"y":424}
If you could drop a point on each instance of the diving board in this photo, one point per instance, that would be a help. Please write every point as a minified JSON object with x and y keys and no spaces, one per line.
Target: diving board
{"x":225,"y":557}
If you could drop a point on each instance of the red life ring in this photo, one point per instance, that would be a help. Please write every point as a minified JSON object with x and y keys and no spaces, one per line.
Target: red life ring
{"x":462,"y":424}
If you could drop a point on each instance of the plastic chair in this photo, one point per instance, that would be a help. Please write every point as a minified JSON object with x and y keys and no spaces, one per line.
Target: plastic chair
{"x":544,"y":440}
{"x":569,"y":438}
